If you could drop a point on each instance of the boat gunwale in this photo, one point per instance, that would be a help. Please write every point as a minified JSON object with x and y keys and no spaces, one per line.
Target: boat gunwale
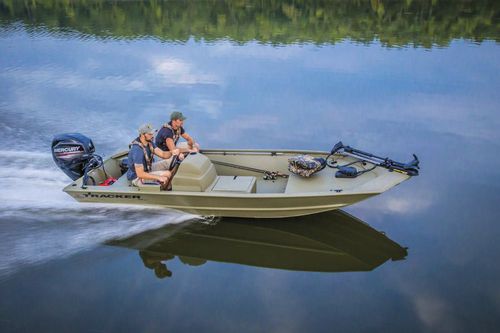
{"x":107,"y":189}
{"x":272,"y":152}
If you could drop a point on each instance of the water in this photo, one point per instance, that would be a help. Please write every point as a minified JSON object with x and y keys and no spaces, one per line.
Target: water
{"x":393,"y":77}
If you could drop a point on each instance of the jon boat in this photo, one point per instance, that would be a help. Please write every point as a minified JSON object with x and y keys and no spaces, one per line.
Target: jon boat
{"x":233,"y":182}
{"x":326,"y":242}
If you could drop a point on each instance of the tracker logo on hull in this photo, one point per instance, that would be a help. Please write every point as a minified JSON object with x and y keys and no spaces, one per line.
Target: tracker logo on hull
{"x":110,"y":196}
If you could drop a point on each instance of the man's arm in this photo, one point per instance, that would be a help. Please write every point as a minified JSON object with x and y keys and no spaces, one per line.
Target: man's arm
{"x":193,"y":146}
{"x":170,"y":144}
{"x":189,"y":139}
{"x":166,"y":154}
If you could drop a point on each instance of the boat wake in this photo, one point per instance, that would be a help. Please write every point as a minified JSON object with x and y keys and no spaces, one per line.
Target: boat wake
{"x":40,"y":223}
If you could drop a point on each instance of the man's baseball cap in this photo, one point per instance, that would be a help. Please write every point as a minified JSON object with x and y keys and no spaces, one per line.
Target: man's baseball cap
{"x":177,"y":115}
{"x":146,"y":128}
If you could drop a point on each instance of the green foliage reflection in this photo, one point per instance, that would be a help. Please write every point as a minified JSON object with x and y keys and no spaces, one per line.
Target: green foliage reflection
{"x":424,"y":23}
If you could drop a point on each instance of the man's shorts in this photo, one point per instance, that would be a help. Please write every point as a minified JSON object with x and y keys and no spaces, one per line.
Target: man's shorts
{"x":156,"y":169}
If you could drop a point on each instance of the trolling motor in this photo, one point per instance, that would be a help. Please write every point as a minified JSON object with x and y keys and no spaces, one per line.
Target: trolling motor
{"x":411,"y":168}
{"x":74,"y":154}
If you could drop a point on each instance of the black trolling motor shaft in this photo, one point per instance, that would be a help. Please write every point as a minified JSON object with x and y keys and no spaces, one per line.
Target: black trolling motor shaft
{"x":411,"y":168}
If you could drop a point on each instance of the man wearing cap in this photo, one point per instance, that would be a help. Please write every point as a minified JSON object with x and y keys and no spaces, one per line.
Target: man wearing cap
{"x":141,"y":159}
{"x":169,"y":134}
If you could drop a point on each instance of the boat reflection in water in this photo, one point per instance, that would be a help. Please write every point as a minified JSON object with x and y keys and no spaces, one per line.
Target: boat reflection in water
{"x":327,"y":242}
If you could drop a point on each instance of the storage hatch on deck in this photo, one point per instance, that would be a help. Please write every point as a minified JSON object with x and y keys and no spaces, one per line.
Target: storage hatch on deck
{"x":243,"y":184}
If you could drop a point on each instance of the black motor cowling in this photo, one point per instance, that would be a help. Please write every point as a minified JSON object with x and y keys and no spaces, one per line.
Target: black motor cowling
{"x":72,"y":153}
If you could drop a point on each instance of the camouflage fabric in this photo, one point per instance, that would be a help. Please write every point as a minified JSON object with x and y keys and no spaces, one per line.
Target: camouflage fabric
{"x":305,"y":165}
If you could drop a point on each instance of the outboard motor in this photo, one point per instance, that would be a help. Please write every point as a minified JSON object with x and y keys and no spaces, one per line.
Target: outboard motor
{"x":74,"y":154}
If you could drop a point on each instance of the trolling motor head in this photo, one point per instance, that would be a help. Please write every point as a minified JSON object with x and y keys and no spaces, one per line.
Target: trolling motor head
{"x":413,"y":166}
{"x":72,"y":152}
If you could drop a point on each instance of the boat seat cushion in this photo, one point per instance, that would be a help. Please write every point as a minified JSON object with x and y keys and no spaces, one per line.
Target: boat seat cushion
{"x":237,"y":184}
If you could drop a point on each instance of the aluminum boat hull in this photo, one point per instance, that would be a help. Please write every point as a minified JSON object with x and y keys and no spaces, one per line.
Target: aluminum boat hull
{"x":282,"y":197}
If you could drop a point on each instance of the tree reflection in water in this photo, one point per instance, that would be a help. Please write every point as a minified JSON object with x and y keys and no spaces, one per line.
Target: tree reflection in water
{"x":394,"y":23}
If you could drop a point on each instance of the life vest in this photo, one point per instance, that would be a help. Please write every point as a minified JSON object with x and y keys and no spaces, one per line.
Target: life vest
{"x":147,"y":157}
{"x":177,"y":132}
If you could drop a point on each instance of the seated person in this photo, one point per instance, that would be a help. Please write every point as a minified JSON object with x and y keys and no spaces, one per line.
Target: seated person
{"x":169,"y":134}
{"x":154,"y":261}
{"x":141,"y":159}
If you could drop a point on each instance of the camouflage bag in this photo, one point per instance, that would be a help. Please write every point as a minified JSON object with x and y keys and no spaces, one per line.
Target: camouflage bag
{"x":305,"y":165}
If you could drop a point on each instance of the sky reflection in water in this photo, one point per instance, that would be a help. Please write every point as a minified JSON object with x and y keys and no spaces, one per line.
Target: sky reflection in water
{"x":441,"y":103}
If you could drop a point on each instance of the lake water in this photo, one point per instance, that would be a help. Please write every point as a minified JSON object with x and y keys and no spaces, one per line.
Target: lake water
{"x":390,"y":77}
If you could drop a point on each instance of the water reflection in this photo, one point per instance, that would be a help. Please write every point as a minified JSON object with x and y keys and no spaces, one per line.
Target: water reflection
{"x":394,"y":23}
{"x":359,"y":80}
{"x":327,"y":242}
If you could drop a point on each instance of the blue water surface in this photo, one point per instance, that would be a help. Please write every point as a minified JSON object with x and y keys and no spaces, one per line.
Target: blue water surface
{"x":441,"y":102}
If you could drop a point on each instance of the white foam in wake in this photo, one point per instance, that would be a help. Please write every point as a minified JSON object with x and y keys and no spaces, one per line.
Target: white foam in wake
{"x":33,"y":235}
{"x":39,"y":222}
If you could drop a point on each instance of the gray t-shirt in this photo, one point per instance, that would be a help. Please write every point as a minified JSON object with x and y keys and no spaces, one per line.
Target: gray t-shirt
{"x":136,"y":156}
